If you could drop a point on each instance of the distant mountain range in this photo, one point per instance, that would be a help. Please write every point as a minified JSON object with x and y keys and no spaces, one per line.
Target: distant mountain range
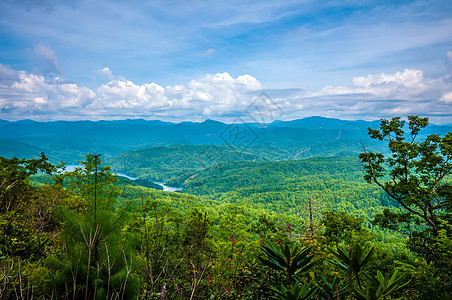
{"x":70,"y":140}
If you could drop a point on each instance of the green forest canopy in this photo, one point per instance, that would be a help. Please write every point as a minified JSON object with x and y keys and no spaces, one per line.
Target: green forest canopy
{"x":242,"y":229}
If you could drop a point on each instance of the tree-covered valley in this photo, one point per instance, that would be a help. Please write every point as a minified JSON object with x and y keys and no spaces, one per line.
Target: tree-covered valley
{"x":307,"y":209}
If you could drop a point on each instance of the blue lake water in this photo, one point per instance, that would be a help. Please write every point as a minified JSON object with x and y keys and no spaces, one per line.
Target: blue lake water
{"x":70,"y":168}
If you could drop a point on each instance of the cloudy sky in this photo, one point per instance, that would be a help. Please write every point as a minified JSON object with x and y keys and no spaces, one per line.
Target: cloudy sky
{"x":193,"y":60}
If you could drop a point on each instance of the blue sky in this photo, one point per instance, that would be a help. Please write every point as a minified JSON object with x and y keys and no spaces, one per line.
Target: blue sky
{"x":193,"y":60}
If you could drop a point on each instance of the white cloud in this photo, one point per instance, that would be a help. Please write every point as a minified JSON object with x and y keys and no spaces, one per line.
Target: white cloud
{"x":409,"y":84}
{"x":376,"y":96}
{"x":105,"y":72}
{"x":447,"y":97}
{"x":210,"y":95}
{"x":219,"y":96}
{"x":408,"y":78}
{"x":23,"y":95}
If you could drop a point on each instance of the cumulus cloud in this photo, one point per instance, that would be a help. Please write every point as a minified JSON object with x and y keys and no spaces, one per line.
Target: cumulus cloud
{"x":407,"y":78}
{"x":380,"y":96}
{"x":409,"y":84}
{"x":209,"y":95}
{"x":105,"y":72}
{"x":48,"y":60}
{"x":219,"y":96}
{"x":23,"y":95}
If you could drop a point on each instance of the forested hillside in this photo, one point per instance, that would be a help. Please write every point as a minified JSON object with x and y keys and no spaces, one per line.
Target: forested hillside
{"x":175,"y":164}
{"x":248,"y":224}
{"x":331,"y":183}
{"x":69,"y":141}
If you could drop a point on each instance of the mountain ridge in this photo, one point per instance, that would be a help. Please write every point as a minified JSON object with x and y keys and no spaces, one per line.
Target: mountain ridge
{"x":70,"y":140}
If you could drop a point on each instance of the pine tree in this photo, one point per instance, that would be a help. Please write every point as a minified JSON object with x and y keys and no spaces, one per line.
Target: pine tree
{"x":96,"y":254}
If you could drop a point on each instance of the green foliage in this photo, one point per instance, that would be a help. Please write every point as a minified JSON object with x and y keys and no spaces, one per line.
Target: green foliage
{"x":14,"y":185}
{"x":427,"y":281}
{"x":110,"y":239}
{"x":289,"y":259}
{"x":25,"y":213}
{"x":285,"y":186}
{"x":196,"y":235}
{"x":342,"y":227}
{"x":414,"y":173}
{"x":19,"y":237}
{"x":175,"y":164}
{"x":38,"y":276}
{"x":417,"y":176}
{"x":13,"y":284}
{"x":381,"y":287}
{"x":96,"y":259}
{"x":83,"y":181}
{"x":295,"y":292}
{"x":395,"y":221}
{"x":354,"y":259}
{"x":336,"y":289}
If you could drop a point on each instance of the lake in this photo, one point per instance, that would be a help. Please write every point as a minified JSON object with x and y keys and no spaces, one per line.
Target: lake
{"x":70,"y":168}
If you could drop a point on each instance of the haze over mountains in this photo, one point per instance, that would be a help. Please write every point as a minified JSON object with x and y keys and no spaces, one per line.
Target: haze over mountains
{"x":70,"y":140}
